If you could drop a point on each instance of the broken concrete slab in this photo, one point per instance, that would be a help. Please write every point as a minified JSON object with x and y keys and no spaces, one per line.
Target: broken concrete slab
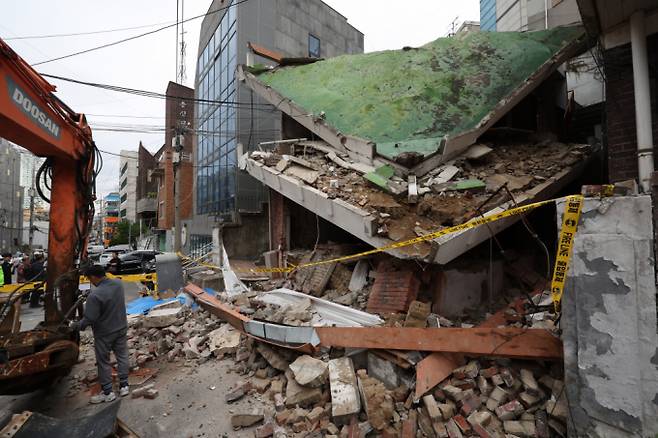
{"x":309,"y":371}
{"x":239,"y":421}
{"x":162,"y":317}
{"x":476,"y":151}
{"x":297,"y":395}
{"x":497,"y":180}
{"x":383,"y":370}
{"x":272,"y":357}
{"x":224,"y":340}
{"x":359,"y":277}
{"x":307,"y":175}
{"x":345,"y":398}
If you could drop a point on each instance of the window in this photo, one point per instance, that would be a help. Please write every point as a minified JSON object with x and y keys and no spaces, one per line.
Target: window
{"x":313,"y":46}
{"x":124,"y":168}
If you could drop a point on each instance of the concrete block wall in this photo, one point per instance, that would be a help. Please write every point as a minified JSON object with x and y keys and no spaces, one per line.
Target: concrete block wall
{"x":609,"y":321}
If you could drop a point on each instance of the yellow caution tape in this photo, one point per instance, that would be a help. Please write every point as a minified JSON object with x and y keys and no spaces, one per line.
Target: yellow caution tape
{"x":565,"y":246}
{"x":26,"y":287}
{"x":431,"y":236}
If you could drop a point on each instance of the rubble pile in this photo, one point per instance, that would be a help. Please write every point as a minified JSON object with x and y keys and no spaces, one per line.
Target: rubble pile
{"x":496,"y":398}
{"x":175,"y":331}
{"x":324,"y":396}
{"x":448,"y":195}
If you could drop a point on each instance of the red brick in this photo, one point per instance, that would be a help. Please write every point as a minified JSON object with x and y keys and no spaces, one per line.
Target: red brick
{"x":481,"y":431}
{"x":393,"y":292}
{"x":409,"y":426}
{"x":489,"y":372}
{"x":462,"y":423}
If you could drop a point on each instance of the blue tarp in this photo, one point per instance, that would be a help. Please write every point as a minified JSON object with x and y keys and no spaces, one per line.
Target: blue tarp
{"x":144,"y":304}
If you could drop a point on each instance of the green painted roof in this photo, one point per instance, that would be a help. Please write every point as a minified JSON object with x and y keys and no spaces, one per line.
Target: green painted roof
{"x":414,"y":97}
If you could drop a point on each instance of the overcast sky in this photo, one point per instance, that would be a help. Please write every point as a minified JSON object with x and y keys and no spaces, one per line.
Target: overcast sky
{"x":149,"y":63}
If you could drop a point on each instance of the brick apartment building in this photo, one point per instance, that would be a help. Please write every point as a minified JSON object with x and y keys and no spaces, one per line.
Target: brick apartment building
{"x":179,"y":107}
{"x":146,"y":188}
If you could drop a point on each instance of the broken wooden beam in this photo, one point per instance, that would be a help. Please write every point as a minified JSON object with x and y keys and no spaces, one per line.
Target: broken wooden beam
{"x":513,"y":342}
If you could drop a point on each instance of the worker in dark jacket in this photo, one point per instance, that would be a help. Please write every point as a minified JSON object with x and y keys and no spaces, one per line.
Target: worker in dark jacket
{"x":105,"y":312}
{"x":6,"y":267}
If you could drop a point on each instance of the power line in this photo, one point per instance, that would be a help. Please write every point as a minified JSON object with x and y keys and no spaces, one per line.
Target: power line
{"x":155,"y":95}
{"x":134,"y":37}
{"x":198,"y":166}
{"x":94,"y":32}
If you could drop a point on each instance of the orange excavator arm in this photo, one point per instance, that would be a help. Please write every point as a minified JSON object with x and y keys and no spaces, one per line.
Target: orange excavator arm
{"x":31,"y":116}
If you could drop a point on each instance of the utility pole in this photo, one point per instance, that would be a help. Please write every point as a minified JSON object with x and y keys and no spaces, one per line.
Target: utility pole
{"x":180,"y":130}
{"x":177,"y":160}
{"x":31,"y":193}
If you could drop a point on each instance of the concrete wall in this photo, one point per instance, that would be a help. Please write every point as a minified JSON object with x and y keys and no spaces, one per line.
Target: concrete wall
{"x":247,"y":241}
{"x":511,"y":15}
{"x":295,"y":19}
{"x":609,"y":321}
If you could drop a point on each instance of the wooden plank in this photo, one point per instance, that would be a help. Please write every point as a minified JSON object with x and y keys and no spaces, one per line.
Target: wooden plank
{"x":434,"y":369}
{"x":514,"y":342}
{"x":216,"y":307}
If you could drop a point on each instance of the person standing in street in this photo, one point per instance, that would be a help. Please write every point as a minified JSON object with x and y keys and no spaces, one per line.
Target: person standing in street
{"x":105,"y":312}
{"x":22,"y":270}
{"x":114,"y":265}
{"x":6,"y":268}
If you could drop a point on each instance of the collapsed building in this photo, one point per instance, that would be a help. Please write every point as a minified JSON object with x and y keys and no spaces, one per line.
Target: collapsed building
{"x":417,"y":335}
{"x":391,"y":145}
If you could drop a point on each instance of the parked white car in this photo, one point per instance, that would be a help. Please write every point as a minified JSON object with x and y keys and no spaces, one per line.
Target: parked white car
{"x":105,"y":258}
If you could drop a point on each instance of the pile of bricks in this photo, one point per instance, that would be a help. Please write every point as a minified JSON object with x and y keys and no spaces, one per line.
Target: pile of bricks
{"x":495,"y":399}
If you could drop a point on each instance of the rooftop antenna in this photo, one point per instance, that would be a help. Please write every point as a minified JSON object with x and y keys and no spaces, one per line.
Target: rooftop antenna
{"x":181,"y":74}
{"x":453,"y":27}
{"x":176,"y":47}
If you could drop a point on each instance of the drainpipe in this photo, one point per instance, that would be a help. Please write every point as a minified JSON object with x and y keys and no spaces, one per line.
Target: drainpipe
{"x":642,"y":100}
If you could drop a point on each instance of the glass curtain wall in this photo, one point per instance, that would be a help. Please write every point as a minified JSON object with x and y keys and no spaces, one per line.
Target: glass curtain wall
{"x":216,"y":122}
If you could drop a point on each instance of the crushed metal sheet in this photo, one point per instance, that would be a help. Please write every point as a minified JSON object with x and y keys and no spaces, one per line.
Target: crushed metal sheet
{"x":325,"y":313}
{"x":232,"y":284}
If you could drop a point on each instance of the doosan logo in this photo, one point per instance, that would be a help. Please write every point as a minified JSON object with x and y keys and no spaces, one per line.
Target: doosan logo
{"x":32,"y":110}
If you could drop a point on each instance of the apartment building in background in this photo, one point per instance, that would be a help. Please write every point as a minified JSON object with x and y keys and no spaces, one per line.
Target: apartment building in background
{"x":30,"y":164}
{"x":111,"y":207}
{"x":146,"y":190}
{"x":223,"y":196}
{"x":11,"y":198}
{"x":127,"y":185}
